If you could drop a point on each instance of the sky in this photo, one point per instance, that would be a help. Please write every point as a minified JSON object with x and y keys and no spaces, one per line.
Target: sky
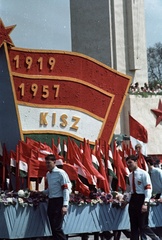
{"x":40,"y":25}
{"x":153,"y":19}
{"x":54,"y":19}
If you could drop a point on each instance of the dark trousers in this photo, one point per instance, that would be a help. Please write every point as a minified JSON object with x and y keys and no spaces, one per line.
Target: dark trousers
{"x":117,"y":234}
{"x":139,"y":220}
{"x":56,"y":218}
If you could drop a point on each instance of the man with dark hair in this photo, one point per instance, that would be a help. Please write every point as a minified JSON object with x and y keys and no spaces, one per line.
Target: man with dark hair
{"x":58,"y":195}
{"x":141,"y":189}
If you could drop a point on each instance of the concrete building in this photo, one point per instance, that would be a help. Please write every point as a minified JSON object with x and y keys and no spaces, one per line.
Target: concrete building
{"x":113,"y":32}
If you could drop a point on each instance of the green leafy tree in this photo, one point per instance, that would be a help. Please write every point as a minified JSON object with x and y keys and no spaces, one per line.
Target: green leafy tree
{"x":154,"y":59}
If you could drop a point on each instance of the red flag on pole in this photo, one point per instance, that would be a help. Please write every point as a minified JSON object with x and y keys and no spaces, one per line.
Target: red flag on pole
{"x":138,"y":134}
{"x":120,"y":169}
{"x":54,"y":149}
{"x":75,"y":158}
{"x":71,"y":171}
{"x":36,"y":169}
{"x":103,"y":184}
{"x":82,"y":188}
{"x":87,"y":162}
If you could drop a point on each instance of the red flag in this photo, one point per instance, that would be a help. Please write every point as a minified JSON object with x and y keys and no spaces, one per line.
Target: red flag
{"x":12,"y":158}
{"x":138,"y":134}
{"x":103,"y":184}
{"x":120,"y":169}
{"x":74,"y":158}
{"x":33,"y":143}
{"x":25,"y":152}
{"x":78,"y":150}
{"x":82,"y":188}
{"x":36,"y":168}
{"x":71,"y":171}
{"x":142,"y":162}
{"x":28,"y":156}
{"x":26,"y":149}
{"x":137,"y":130}
{"x":54,"y":149}
{"x":131,"y":149}
{"x":87,"y":162}
{"x":45,"y":149}
{"x":124,"y":154}
{"x":38,"y":146}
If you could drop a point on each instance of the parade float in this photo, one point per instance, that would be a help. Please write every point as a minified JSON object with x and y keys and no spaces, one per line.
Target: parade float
{"x":46,"y":96}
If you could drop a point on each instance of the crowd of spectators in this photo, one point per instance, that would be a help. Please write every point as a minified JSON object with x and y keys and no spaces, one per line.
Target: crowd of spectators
{"x":146,"y":88}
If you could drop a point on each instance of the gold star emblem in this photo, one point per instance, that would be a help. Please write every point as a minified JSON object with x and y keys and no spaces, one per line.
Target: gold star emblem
{"x":4,"y":33}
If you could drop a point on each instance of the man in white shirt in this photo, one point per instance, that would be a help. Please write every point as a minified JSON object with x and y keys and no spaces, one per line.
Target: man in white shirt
{"x":58,"y":194}
{"x":141,"y":190}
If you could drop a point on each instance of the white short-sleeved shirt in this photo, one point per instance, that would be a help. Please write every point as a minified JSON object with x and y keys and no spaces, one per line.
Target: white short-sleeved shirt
{"x":142,"y":183}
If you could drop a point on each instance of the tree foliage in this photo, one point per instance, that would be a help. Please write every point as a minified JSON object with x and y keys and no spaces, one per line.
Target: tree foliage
{"x":154,"y":60}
